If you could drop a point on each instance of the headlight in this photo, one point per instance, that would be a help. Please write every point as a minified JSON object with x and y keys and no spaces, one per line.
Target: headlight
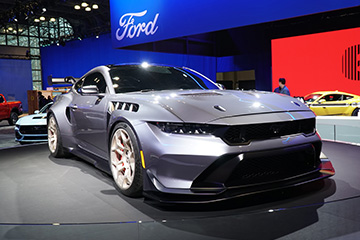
{"x":186,"y":128}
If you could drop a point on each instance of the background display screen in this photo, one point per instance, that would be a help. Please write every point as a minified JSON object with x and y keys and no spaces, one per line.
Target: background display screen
{"x":326,"y":61}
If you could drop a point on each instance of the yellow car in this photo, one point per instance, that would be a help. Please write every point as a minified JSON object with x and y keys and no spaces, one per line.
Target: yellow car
{"x":333,"y":103}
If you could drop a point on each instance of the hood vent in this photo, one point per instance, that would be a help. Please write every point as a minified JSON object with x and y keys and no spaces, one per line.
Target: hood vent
{"x":205,"y":94}
{"x":220,"y":108}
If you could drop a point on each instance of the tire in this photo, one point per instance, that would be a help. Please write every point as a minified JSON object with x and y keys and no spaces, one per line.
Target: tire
{"x":13,"y":118}
{"x":355,"y":112}
{"x":125,"y":161}
{"x":54,"y":139}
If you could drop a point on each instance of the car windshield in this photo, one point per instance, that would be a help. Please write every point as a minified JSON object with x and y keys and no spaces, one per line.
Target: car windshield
{"x":45,"y":108}
{"x":311,"y":97}
{"x":132,"y":78}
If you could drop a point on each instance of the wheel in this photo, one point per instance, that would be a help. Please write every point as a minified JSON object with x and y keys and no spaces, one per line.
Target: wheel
{"x":125,"y":161}
{"x":54,"y":139}
{"x":355,"y":112}
{"x":13,"y":118}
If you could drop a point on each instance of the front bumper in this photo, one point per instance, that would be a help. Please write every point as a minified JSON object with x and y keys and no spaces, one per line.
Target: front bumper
{"x":189,"y":169}
{"x":210,"y":195}
{"x":29,"y":134}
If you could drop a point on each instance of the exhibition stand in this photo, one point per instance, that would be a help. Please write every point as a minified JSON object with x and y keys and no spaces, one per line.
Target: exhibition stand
{"x":340,"y":129}
{"x":48,"y":198}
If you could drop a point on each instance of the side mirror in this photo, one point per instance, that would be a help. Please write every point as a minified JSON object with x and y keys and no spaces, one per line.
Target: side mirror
{"x":219,"y":85}
{"x":70,"y":79}
{"x":36,"y":112}
{"x":90,"y":90}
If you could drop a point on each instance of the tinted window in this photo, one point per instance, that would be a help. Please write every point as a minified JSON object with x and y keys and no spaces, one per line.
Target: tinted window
{"x":1,"y":99}
{"x":96,"y":79}
{"x":46,"y":108}
{"x":332,"y":97}
{"x":311,"y":97}
{"x":136,"y":78}
{"x":347,"y":97}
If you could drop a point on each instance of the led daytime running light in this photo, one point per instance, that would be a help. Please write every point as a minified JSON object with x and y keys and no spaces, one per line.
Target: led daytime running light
{"x":186,"y":128}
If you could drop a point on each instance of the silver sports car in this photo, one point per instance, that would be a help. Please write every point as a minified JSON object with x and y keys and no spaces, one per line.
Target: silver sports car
{"x":173,"y":135}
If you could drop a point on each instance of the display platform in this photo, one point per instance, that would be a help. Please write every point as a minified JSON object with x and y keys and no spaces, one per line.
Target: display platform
{"x":46,"y":198}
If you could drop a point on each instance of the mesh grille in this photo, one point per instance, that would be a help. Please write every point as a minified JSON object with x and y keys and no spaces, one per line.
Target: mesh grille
{"x":243,"y":134}
{"x":254,"y":170}
{"x":33,"y":129}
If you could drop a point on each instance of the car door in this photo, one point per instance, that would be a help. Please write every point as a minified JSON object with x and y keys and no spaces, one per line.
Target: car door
{"x":3,"y":108}
{"x":330,"y":104}
{"x":89,"y":116}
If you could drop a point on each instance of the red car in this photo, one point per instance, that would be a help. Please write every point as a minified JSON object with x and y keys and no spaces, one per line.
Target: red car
{"x":10,"y":110}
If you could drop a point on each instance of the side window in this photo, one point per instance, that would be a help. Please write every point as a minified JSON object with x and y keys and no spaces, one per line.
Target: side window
{"x":347,"y":97}
{"x":96,"y":79}
{"x":333,"y":97}
{"x":1,"y":99}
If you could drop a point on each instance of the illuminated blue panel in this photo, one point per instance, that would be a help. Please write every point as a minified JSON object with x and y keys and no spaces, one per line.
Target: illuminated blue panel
{"x":141,"y":21}
{"x":15,"y":80}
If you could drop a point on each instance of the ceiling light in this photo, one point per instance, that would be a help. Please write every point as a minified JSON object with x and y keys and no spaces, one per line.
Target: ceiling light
{"x":97,"y":36}
{"x":10,"y":29}
{"x":36,"y":20}
{"x":77,"y":7}
{"x":84,"y":4}
{"x":88,"y":9}
{"x":145,"y":65}
{"x":44,"y":9}
{"x":52,"y":19}
{"x":95,"y":6}
{"x":42,"y":18}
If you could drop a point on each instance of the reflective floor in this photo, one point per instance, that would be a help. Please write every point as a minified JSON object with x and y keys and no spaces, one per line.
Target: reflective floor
{"x":46,"y":198}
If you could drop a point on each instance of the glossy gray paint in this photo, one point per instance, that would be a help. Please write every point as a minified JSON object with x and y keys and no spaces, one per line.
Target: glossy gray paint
{"x":173,"y":161}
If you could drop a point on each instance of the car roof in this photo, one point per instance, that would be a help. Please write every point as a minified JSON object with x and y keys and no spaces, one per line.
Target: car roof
{"x":139,"y":64}
{"x":333,"y":92}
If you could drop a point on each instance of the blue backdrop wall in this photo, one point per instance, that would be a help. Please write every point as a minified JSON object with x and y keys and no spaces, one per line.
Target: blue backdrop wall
{"x":15,"y":80}
{"x":140,"y":21}
{"x":78,"y":57}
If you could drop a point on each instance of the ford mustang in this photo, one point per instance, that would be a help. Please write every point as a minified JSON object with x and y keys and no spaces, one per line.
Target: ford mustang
{"x":333,"y":103}
{"x":32,"y":128}
{"x":171,"y":134}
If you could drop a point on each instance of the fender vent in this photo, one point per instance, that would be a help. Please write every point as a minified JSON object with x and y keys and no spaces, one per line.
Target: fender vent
{"x":68,"y":115}
{"x":124,"y":106}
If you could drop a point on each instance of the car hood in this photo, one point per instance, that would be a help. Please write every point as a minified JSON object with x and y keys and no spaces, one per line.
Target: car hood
{"x":211,"y":105}
{"x":34,"y":119}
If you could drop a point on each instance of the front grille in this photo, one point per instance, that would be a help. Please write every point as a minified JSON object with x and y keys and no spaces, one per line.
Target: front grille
{"x":33,"y":129}
{"x":243,"y":134}
{"x":34,"y":138}
{"x":271,"y":166}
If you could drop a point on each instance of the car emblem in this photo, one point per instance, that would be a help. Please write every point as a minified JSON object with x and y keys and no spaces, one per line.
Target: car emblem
{"x":275,"y":128}
{"x":220,"y":108}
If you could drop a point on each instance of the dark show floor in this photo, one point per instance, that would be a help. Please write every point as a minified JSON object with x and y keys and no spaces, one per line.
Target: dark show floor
{"x":46,"y":198}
